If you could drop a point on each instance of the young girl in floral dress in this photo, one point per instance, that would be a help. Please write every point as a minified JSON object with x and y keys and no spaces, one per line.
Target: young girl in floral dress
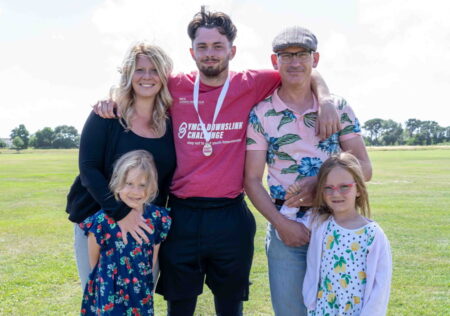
{"x":349,"y":261}
{"x":121,"y":282}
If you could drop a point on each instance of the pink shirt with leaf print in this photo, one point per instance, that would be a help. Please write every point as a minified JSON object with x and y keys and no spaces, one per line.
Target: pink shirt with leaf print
{"x":293,"y":149}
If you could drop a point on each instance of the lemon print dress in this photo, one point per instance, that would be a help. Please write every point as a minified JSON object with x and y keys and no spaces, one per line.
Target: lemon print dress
{"x":343,"y":269}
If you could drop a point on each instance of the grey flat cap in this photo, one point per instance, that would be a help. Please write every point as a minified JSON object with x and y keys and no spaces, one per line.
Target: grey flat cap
{"x":295,"y":36}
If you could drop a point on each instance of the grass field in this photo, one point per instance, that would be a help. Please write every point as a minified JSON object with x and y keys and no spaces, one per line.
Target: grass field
{"x":410,"y":198}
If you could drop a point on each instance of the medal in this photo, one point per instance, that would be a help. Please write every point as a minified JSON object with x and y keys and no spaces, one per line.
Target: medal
{"x":207,"y":149}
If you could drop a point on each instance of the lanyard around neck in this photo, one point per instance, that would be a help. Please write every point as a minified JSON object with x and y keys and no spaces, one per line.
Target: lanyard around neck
{"x":220,"y":100}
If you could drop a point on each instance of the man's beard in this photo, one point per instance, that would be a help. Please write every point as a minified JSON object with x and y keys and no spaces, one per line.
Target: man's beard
{"x":213,"y":71}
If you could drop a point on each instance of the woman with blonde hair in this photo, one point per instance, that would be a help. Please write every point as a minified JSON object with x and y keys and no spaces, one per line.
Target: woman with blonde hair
{"x":132,"y":95}
{"x":121,"y":281}
{"x":143,"y":99}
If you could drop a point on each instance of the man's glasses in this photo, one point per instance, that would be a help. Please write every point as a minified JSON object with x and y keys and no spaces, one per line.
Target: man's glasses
{"x":287,"y":58}
{"x":343,"y":188}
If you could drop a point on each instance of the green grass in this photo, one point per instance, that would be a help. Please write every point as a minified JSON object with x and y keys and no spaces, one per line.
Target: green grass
{"x":410,"y":198}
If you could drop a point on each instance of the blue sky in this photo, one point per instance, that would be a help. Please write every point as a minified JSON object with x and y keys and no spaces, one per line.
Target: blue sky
{"x":388,"y":58}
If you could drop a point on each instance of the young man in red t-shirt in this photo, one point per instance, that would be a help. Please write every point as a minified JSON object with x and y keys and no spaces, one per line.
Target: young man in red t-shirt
{"x":212,"y":230}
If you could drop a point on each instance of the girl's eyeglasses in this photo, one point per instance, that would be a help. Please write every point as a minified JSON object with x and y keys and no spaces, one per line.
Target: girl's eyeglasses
{"x":342,"y":188}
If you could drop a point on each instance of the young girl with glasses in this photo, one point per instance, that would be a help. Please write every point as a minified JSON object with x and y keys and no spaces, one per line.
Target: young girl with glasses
{"x":121,"y":281}
{"x":349,"y":259}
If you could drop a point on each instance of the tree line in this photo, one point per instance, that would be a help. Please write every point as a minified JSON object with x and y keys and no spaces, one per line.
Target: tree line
{"x":377,"y":132}
{"x":62,"y":136}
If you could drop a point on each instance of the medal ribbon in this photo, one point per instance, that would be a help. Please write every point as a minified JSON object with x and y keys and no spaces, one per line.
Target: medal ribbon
{"x":222,"y":95}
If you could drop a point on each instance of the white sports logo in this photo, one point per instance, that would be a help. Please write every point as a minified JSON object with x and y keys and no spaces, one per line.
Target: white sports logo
{"x":182,"y":130}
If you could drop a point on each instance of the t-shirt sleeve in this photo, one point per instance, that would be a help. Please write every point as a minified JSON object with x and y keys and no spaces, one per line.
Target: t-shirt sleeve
{"x":161,"y":223}
{"x":350,"y":126}
{"x":98,"y":224}
{"x":256,"y":139}
{"x":266,"y":83}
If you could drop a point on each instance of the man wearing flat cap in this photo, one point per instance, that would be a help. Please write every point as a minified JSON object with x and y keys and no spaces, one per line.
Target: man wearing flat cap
{"x":281,"y":134}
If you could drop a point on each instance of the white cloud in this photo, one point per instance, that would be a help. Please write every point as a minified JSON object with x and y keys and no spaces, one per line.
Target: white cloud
{"x":122,"y":22}
{"x":395,"y":64}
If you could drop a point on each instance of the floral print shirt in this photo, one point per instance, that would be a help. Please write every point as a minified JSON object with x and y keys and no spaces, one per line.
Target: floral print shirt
{"x":122,"y":281}
{"x":293,"y":149}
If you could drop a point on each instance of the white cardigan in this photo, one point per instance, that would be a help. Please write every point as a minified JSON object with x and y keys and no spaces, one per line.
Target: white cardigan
{"x":378,"y":273}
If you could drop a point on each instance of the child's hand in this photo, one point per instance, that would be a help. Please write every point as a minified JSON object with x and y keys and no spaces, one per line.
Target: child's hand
{"x":301,"y":193}
{"x":292,"y":191}
{"x":294,"y":188}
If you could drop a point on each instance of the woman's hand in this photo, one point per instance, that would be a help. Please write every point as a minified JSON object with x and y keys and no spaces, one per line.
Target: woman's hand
{"x":134,"y":224}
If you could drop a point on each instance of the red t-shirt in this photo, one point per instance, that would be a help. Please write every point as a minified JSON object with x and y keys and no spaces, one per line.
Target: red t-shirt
{"x":221,"y":174}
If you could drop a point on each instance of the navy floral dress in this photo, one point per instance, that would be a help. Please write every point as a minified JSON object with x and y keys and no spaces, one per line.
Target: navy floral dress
{"x":122,"y":282}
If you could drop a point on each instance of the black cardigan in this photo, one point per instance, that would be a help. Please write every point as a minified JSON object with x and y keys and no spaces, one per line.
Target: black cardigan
{"x":90,"y":191}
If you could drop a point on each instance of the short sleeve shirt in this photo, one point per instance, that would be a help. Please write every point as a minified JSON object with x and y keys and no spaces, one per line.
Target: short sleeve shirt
{"x":220,"y":175}
{"x":293,"y":149}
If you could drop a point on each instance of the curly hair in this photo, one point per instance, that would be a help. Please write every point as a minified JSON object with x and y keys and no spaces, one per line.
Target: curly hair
{"x":210,"y":20}
{"x":124,"y":94}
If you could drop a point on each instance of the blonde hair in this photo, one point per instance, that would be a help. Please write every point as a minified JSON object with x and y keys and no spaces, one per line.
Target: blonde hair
{"x":136,"y":159}
{"x":351,"y":164}
{"x":124,"y":94}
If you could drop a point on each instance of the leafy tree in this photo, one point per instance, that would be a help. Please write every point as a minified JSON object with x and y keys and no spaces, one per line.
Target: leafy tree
{"x":21,"y":132}
{"x":32,"y":141}
{"x":18,"y":143}
{"x":412,"y":126}
{"x":43,"y":138}
{"x":373,"y":127}
{"x":2,"y":143}
{"x":431,"y":132}
{"x":447,"y":134}
{"x":440,"y":135}
{"x":391,"y":133}
{"x":65,"y":137}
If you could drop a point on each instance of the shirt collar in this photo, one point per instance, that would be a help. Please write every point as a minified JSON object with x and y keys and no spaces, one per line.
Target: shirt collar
{"x":280,"y":106}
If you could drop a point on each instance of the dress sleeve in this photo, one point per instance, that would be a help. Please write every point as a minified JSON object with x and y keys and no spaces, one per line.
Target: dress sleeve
{"x":92,"y":156}
{"x":379,"y":273}
{"x":161,"y":222}
{"x":98,"y":224}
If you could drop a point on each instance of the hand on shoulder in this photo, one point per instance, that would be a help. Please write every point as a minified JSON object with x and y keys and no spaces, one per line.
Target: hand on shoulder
{"x":107,"y":109}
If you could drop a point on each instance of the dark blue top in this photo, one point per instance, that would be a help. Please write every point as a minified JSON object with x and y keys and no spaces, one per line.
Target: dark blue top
{"x":102,"y":142}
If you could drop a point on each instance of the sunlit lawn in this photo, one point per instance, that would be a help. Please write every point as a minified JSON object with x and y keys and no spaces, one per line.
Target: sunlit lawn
{"x":410,"y":198}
